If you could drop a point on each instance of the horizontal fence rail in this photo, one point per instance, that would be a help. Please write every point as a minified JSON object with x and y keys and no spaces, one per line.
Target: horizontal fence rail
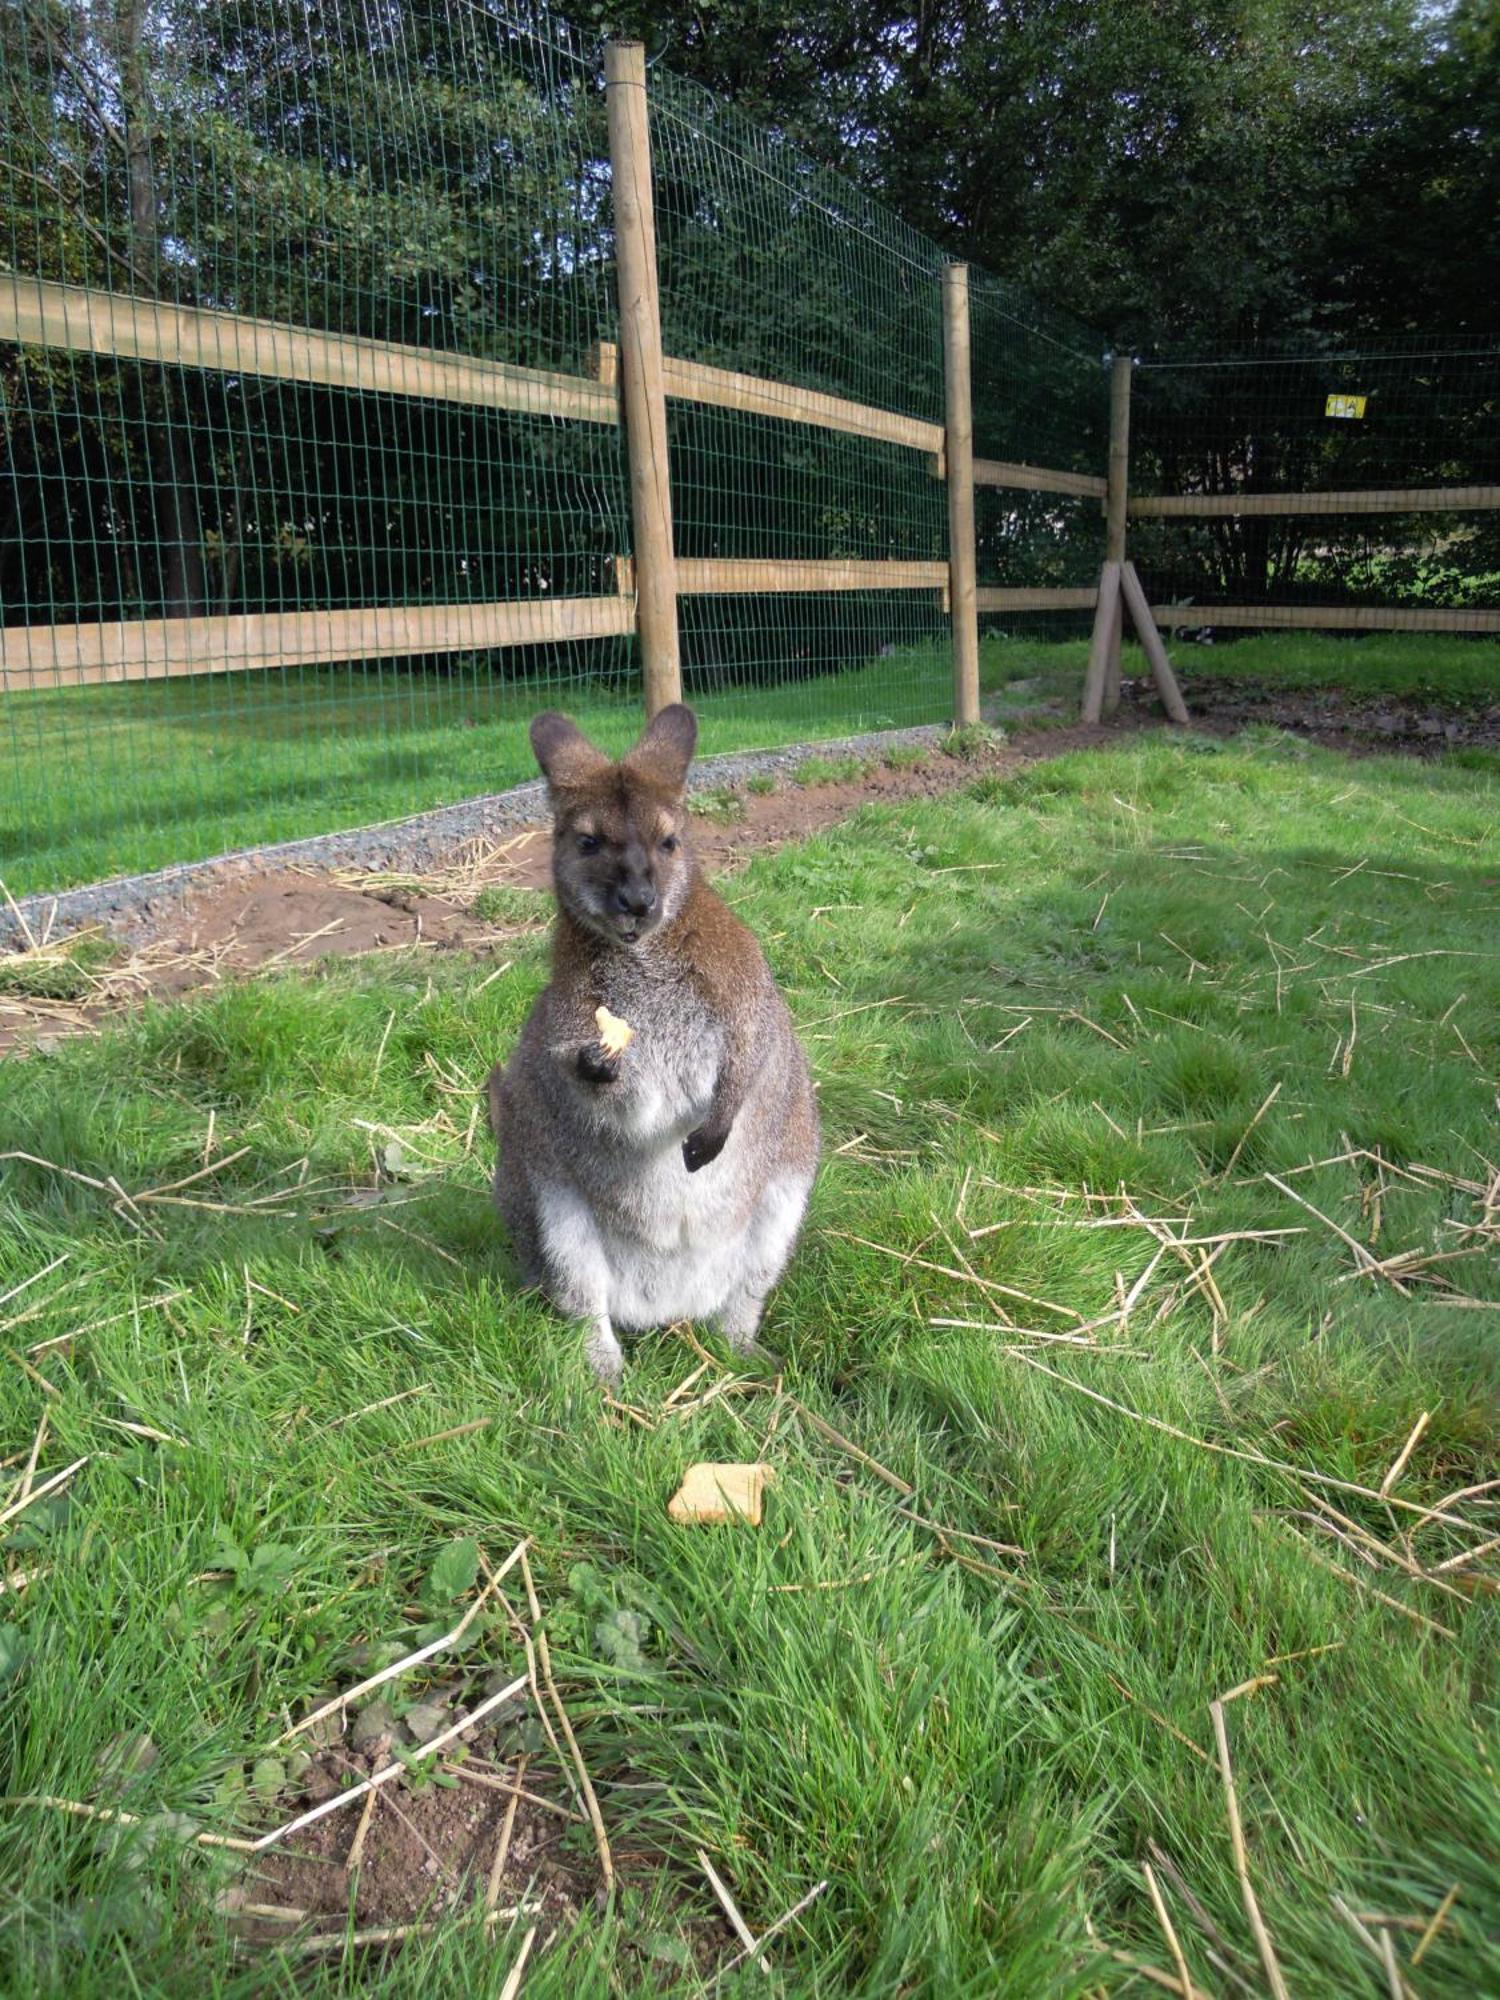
{"x":1330,"y":617}
{"x":140,"y":649}
{"x":762,"y":396}
{"x":1038,"y":479}
{"x":1322,"y":491}
{"x":1082,"y":598}
{"x":127,"y":327}
{"x":1379,"y":500}
{"x":711,"y":576}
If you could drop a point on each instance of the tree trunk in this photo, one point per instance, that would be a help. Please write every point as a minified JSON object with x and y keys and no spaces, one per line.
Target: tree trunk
{"x":175,"y":495}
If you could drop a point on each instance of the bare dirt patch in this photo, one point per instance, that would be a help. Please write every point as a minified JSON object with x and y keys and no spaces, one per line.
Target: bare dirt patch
{"x":421,"y":1853}
{"x":1413,"y":725}
{"x":424,"y":1855}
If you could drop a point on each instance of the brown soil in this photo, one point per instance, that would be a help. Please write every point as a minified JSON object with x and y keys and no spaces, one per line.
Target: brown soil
{"x":424,"y":1852}
{"x":246,"y":924}
{"x":236,"y":924}
{"x":1406,"y":725}
{"x":249,"y":923}
{"x":428,"y":1852}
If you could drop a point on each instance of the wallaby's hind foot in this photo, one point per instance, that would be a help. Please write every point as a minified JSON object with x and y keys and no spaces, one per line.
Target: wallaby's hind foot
{"x":739,"y":1322}
{"x":603,"y":1351}
{"x":739,"y":1319}
{"x":768,"y":1357}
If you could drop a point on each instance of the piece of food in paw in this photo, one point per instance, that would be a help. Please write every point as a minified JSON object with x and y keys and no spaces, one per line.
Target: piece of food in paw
{"x":615,"y":1034}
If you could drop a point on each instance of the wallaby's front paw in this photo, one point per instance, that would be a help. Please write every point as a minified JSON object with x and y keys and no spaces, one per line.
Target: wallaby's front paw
{"x":596,"y":1064}
{"x":706,"y":1144}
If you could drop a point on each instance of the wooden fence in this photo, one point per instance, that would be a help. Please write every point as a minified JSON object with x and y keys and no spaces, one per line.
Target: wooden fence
{"x":631,"y":383}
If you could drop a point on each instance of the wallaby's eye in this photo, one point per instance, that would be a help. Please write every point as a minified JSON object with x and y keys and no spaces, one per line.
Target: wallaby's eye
{"x":669,"y":844}
{"x":588,"y":843}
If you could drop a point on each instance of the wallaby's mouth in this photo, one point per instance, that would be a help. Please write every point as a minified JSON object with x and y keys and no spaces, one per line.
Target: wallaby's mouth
{"x":624,"y":927}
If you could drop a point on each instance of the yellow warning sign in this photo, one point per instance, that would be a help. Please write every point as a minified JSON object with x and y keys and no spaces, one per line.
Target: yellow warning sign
{"x":1345,"y":406}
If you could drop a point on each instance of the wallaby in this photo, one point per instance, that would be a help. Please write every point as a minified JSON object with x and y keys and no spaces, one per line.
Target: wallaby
{"x":657,"y":1129}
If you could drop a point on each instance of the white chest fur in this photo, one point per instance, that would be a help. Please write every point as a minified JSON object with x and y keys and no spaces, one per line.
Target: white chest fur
{"x":662,"y":1095}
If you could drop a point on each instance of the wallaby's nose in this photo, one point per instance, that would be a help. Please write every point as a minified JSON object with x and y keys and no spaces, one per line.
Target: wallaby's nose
{"x":635,"y":899}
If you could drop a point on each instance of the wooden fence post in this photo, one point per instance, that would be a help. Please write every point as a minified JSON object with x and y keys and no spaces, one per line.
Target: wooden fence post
{"x":1119,"y":587}
{"x":1116,"y":635}
{"x":1140,"y":612}
{"x":642,"y":396}
{"x":1121,"y":372}
{"x":1106,"y":625}
{"x":958,"y":451}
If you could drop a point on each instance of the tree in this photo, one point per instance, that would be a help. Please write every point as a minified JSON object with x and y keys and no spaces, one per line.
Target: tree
{"x":1175,"y":172}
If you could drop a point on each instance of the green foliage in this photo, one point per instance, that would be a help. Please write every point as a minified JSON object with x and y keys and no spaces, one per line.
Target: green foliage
{"x":264,"y":1571}
{"x":12,"y":1651}
{"x":722,"y":804}
{"x":597,"y":1622}
{"x":972,"y":741}
{"x":1454,"y":577}
{"x":454,"y":1572}
{"x":1195,"y":175}
{"x":428,"y":185}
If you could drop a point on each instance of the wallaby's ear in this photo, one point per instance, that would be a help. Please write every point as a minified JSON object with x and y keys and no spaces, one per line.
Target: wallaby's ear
{"x":663,"y":754}
{"x":566,"y":756}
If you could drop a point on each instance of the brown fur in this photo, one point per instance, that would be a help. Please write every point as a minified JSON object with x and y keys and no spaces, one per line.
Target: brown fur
{"x":601,"y":1155}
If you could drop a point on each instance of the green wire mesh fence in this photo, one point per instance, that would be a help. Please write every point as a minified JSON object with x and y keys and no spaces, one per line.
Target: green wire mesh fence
{"x":315,"y":482}
{"x":776,"y":269}
{"x":1041,"y":412}
{"x":1357,"y":490}
{"x":331,"y":218}
{"x":314,"y":486}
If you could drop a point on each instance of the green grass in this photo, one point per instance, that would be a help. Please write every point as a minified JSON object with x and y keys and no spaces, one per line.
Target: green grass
{"x":104,"y":781}
{"x":61,"y":971}
{"x":1128,"y":952}
{"x":970,"y":741}
{"x":829,"y":771}
{"x":97,"y":782}
{"x":505,"y":903}
{"x":722,"y":804}
{"x":1449,"y":671}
